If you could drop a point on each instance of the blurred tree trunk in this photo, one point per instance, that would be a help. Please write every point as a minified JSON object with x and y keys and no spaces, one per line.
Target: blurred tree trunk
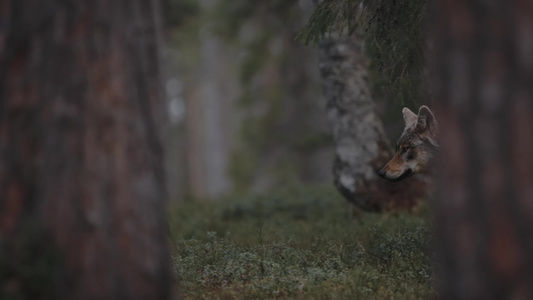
{"x":215,"y":118}
{"x":361,"y":147}
{"x":81,"y":181}
{"x":484,"y":209}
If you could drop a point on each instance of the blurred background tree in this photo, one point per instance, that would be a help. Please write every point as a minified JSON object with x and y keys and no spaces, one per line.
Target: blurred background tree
{"x":253,"y":114}
{"x":254,"y":118}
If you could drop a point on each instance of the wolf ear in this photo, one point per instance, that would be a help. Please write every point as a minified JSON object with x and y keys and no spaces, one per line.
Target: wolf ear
{"x":426,"y":121}
{"x":409,"y":117}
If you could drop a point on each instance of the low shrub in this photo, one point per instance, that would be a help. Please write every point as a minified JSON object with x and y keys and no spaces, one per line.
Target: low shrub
{"x":299,"y":244}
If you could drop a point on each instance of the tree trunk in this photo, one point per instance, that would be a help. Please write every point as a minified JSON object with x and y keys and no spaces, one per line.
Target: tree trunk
{"x":81,"y":181}
{"x":484,"y":209}
{"x":361,"y":147}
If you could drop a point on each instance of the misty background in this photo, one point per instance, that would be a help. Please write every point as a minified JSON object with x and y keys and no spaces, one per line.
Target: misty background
{"x":246,"y":108}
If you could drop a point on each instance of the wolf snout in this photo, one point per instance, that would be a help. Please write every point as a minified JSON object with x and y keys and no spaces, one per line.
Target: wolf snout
{"x":382,"y":173}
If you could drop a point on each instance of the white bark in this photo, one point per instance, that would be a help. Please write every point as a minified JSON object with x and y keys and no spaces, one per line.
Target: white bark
{"x":357,"y":131}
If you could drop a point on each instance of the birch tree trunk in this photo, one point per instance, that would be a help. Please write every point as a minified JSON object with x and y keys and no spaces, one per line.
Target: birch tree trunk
{"x":81,"y":181}
{"x":361,"y":147}
{"x":484,"y":209}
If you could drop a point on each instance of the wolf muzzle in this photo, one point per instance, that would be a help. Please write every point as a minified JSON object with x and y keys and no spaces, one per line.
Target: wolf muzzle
{"x":383,"y":174}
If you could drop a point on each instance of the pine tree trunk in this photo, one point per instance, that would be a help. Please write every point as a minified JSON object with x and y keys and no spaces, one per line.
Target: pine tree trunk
{"x":484,"y":209}
{"x":81,"y":181}
{"x":361,"y":147}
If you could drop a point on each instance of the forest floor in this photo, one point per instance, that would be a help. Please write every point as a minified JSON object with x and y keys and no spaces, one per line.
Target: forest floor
{"x":299,"y":244}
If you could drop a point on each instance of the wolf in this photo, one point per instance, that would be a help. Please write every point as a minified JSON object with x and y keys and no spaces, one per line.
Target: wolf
{"x":416,"y":148}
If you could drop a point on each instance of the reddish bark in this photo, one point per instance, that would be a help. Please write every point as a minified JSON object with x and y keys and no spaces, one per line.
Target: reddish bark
{"x":484,"y":209}
{"x":79,"y":149}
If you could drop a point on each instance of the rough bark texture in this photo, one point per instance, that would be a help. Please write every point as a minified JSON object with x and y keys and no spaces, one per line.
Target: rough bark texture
{"x":483,"y":53}
{"x":81,"y":183}
{"x":361,"y":147}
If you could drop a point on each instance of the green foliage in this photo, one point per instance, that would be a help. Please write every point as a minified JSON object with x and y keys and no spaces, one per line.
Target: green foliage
{"x":394,"y":35}
{"x":330,"y":16}
{"x":395,"y":44}
{"x":299,"y":244}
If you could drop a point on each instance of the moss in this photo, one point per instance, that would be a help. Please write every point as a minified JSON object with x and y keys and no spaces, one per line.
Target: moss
{"x":299,"y":243}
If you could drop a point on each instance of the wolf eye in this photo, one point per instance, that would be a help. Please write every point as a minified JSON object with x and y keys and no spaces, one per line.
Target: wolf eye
{"x":404,"y":149}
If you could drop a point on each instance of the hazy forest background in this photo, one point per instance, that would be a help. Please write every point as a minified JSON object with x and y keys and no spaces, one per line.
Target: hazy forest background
{"x":246,"y":105}
{"x":163,"y":149}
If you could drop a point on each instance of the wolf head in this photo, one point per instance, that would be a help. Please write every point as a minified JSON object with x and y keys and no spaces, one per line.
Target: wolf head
{"x":416,"y":147}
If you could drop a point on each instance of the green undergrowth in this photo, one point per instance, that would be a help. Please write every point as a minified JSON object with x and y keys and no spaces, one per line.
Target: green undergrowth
{"x":299,"y":244}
